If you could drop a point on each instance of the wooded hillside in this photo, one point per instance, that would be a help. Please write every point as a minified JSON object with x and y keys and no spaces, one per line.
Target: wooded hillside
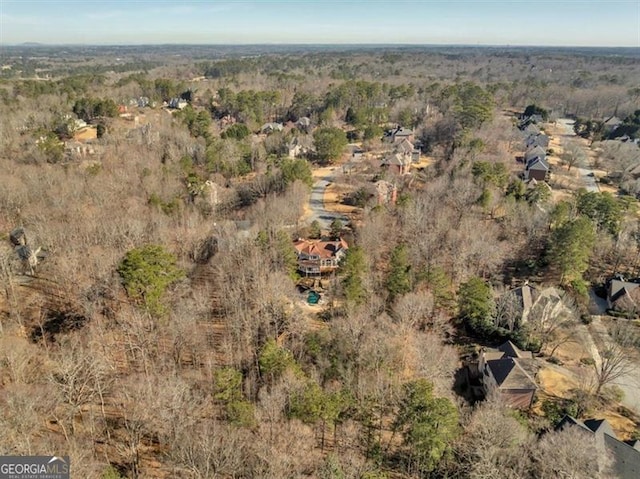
{"x":163,"y":328}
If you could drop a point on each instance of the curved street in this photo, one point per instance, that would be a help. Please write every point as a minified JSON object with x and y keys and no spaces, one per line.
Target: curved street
{"x":316,"y":200}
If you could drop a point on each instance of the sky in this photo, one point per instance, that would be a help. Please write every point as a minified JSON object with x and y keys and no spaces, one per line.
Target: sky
{"x":467,"y":22}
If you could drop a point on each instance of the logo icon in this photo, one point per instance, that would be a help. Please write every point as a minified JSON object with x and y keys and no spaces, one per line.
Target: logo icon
{"x":34,"y":467}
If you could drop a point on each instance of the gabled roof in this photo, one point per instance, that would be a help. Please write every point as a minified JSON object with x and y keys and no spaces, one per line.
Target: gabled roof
{"x":272,"y":127}
{"x":402,"y":131}
{"x":526,"y":294}
{"x":397,"y":133}
{"x":599,"y":426}
{"x":537,"y":164}
{"x":570,"y":421}
{"x":511,"y":367}
{"x":511,"y":350}
{"x":397,"y":159}
{"x":537,"y":139}
{"x":304,"y":121}
{"x":612,"y":121}
{"x":24,"y":252}
{"x":531,"y":128}
{"x":626,"y":458}
{"x":510,"y":374}
{"x":533,"y":152}
{"x":535,"y":118}
{"x":619,"y":288}
{"x":405,"y":146}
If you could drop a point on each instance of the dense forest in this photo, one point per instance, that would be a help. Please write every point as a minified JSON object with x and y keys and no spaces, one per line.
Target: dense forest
{"x":154,"y":320}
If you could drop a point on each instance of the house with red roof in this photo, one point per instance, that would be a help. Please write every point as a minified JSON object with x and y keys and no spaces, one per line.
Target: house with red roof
{"x":316,"y":257}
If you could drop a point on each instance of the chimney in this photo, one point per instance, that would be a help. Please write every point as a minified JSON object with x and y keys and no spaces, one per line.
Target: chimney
{"x":394,"y":195}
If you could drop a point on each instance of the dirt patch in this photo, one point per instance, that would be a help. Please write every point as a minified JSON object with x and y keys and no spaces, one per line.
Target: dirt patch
{"x":554,"y":383}
{"x":86,"y":133}
{"x":564,"y":182}
{"x":333,"y":196}
{"x":571,"y":352}
{"x":323,"y":172}
{"x":622,"y":426}
{"x":603,"y":187}
{"x":423,"y":163}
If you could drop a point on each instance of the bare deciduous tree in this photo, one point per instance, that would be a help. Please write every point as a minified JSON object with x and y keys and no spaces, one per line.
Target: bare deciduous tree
{"x":616,"y":361}
{"x":417,"y":310}
{"x":508,"y":310}
{"x":573,"y":154}
{"x":571,"y":453}
{"x":493,"y":444}
{"x":550,"y":319}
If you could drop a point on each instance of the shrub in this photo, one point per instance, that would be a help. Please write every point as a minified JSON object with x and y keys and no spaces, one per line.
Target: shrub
{"x":624,"y":412}
{"x":239,"y":131}
{"x":358,"y":198}
{"x":580,"y":287}
{"x":111,"y":473}
{"x":587,"y":361}
{"x":227,"y":385}
{"x":372,"y":132}
{"x":555,"y":410}
{"x":613,"y":394}
{"x":241,"y":413}
{"x":274,"y":360}
{"x":146,"y":274}
{"x":314,"y":230}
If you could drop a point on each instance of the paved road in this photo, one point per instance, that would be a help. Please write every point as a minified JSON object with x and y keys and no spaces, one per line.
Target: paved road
{"x":316,"y":203}
{"x":587,"y":175}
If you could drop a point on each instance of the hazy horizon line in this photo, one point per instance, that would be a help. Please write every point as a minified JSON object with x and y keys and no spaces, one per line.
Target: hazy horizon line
{"x":340,"y":44}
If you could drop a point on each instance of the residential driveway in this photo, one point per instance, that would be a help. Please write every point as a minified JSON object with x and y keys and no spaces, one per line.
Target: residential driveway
{"x":316,"y":202}
{"x":586,"y":174}
{"x":597,"y":305}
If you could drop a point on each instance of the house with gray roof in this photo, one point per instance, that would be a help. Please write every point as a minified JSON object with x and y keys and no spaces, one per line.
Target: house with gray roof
{"x":526,"y":296}
{"x":398,"y":163}
{"x":511,"y":373}
{"x":271,"y":127}
{"x":518,"y":302}
{"x":625,"y":454}
{"x":537,"y":139}
{"x":624,"y":296}
{"x":535,"y":152}
{"x":530,"y":128}
{"x":177,"y":103}
{"x":396,"y":135}
{"x":300,"y":146}
{"x":304,"y":123}
{"x":536,"y":169}
{"x":611,"y":123}
{"x":408,"y":149}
